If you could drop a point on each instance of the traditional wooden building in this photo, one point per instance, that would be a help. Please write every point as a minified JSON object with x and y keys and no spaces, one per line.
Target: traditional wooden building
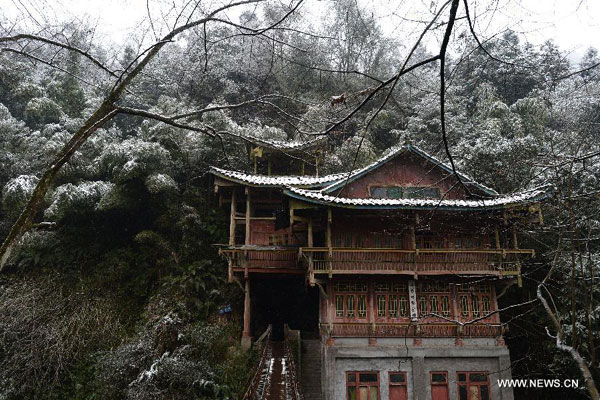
{"x":390,"y":272}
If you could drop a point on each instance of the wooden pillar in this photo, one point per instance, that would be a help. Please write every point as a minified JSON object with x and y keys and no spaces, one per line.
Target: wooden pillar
{"x":248,"y":213}
{"x":310,"y":243}
{"x":246,"y":337}
{"x":329,"y":220}
{"x":310,"y":239}
{"x":515,"y":239}
{"x":232,"y":219}
{"x":328,"y":239}
{"x":413,"y":246}
{"x":269,"y":166}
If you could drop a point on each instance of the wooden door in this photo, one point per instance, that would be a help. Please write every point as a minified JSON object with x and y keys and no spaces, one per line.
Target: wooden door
{"x":398,"y":393}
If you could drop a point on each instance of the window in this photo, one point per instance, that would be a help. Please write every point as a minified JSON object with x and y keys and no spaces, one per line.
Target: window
{"x":350,"y":300}
{"x":362,"y":385}
{"x":473,"y":386}
{"x":398,"y":386}
{"x":434,"y":298}
{"x":429,"y":242}
{"x":439,"y":385}
{"x":391,"y":300}
{"x":467,"y":242}
{"x":404,"y":192}
{"x":475,"y":300}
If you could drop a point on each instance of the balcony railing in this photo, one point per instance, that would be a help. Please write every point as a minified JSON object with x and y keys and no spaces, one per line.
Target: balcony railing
{"x":425,"y":330}
{"x":263,"y":257}
{"x":340,"y":260}
{"x":323,"y":260}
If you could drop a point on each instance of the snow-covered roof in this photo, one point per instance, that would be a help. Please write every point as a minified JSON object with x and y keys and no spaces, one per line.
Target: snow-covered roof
{"x":276,"y":180}
{"x":287,"y":145}
{"x":413,"y":149}
{"x":320,"y":197}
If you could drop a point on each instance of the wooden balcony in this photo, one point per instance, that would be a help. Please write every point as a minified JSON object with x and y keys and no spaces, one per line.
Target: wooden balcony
{"x":263,"y":259}
{"x":421,"y":330}
{"x":323,"y":260}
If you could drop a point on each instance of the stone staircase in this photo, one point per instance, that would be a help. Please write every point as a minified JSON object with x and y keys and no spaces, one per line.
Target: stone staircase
{"x":311,"y":369}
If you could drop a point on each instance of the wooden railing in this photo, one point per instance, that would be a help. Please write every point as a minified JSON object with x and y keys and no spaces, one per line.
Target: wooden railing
{"x":342,"y":260}
{"x":292,"y":379}
{"x":258,"y":387}
{"x":426,"y":330}
{"x":422,"y":261}
{"x":264,"y":257}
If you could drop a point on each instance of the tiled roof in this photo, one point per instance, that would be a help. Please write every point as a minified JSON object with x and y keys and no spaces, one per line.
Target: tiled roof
{"x":320,"y":197}
{"x":289,"y":145}
{"x":277,"y":180}
{"x":411,"y":148}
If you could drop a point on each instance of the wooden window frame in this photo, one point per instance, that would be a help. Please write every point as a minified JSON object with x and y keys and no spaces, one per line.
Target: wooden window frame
{"x":403,"y":191}
{"x":445,"y":383}
{"x":387,"y":294}
{"x":475,"y":294}
{"x":345,"y":294}
{"x":435,"y":292}
{"x":468,"y":383}
{"x":357,"y":383}
{"x":391,"y":384}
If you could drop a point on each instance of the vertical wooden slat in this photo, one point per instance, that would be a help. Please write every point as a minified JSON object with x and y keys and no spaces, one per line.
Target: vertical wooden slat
{"x":248,"y":213}
{"x":232,"y":218}
{"x":246,"y":331}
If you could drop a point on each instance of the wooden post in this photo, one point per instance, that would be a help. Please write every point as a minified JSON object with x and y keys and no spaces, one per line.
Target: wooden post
{"x":248,"y":213}
{"x":302,"y":168}
{"x":269,"y":166}
{"x":497,"y":237}
{"x":310,"y":242}
{"x":232,"y":219}
{"x":515,"y":239}
{"x":413,"y":245}
{"x":328,"y":238}
{"x":246,"y":337}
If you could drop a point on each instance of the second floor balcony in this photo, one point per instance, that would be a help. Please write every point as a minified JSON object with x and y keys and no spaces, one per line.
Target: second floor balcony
{"x":323,"y":260}
{"x":385,"y":261}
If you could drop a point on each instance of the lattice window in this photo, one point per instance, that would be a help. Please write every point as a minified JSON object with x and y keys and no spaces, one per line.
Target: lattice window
{"x":391,"y":300}
{"x":404,"y":192}
{"x":437,"y":298}
{"x":485,"y":303}
{"x":464,"y":306}
{"x":350,"y":300}
{"x":475,"y":299}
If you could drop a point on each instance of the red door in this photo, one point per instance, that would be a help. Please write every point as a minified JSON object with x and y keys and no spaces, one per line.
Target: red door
{"x":398,"y":393}
{"x":439,"y":392}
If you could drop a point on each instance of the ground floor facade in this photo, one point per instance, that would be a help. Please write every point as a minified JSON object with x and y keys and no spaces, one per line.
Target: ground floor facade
{"x":408,"y":369}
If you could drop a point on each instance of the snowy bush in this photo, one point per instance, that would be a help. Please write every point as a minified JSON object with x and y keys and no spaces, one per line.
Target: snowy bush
{"x":16,"y":192}
{"x":76,"y":198}
{"x":160,"y":183}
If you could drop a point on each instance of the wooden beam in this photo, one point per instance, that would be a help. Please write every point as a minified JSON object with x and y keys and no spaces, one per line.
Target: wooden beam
{"x":328,"y":238}
{"x":246,"y":331}
{"x":232,"y":219}
{"x":248,"y":213}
